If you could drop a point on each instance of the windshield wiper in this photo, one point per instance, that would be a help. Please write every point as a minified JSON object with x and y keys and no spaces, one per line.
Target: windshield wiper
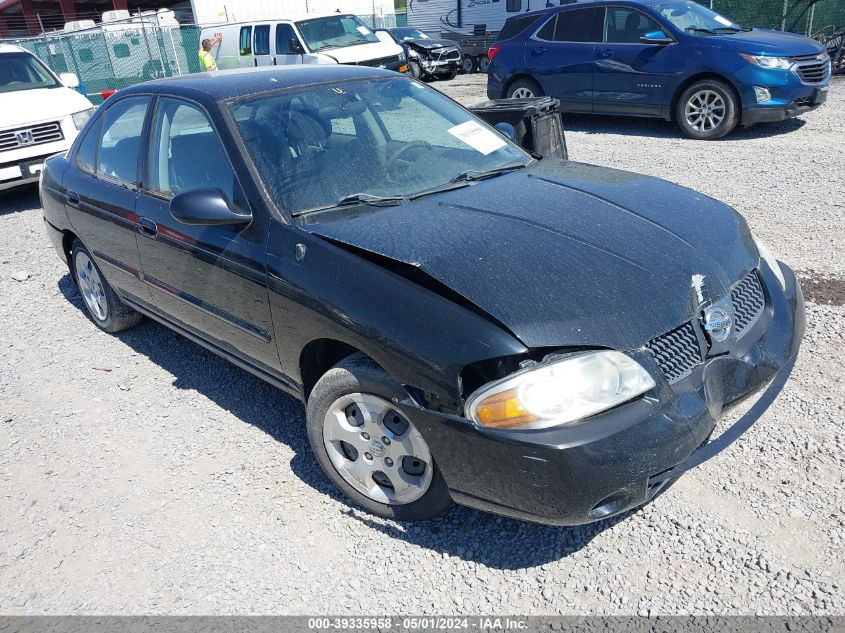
{"x":699,"y":29}
{"x":475,"y":174}
{"x":732,"y":29}
{"x":367,"y":198}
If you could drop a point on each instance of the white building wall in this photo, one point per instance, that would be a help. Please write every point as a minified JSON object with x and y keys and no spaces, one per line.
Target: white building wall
{"x":216,"y":11}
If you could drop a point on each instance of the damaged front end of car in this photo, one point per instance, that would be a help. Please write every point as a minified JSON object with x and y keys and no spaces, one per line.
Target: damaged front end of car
{"x":435,"y":58}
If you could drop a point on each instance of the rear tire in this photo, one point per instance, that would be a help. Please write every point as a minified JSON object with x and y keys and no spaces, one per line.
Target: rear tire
{"x":102,"y":304}
{"x":358,"y":390}
{"x":524,"y":89}
{"x":707,"y":110}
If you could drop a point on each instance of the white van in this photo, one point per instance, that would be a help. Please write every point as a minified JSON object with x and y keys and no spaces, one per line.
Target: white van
{"x":334,"y":38}
{"x":40,"y":115}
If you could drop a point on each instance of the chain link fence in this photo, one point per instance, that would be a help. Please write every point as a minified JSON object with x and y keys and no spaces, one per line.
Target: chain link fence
{"x":118,"y":55}
{"x":808,"y":17}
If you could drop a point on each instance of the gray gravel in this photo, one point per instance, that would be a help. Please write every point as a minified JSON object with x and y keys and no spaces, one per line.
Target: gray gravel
{"x":141,"y":474}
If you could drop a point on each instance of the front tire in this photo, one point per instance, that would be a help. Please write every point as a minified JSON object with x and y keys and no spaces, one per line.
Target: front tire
{"x":102,"y":304}
{"x":368,"y":448}
{"x":707,"y":110}
{"x":524,"y":89}
{"x":416,"y":70}
{"x":468,"y":64}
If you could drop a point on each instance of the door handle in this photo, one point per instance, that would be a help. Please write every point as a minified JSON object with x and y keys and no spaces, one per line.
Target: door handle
{"x":606,"y":53}
{"x":538,"y":50}
{"x":72,"y":198}
{"x":148,"y":227}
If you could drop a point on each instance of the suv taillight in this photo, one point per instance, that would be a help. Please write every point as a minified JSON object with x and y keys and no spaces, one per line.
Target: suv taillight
{"x":491,"y":53}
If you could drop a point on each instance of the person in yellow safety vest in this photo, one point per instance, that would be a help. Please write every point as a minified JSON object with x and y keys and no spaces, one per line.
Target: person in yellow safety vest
{"x":207,"y":61}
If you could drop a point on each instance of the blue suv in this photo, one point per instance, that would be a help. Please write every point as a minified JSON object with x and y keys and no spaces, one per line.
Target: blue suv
{"x":677,"y":60}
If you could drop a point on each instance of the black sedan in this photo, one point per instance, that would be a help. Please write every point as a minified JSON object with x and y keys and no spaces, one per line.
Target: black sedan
{"x":538,"y":338}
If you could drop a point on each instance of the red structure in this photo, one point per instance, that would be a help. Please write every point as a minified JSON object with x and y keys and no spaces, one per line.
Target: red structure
{"x":22,"y":18}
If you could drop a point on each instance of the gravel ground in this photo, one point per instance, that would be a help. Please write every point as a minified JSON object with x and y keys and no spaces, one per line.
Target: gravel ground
{"x":139,"y":474}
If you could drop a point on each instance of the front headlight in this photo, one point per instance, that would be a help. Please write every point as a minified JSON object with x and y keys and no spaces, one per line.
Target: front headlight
{"x":764,"y":61}
{"x":559,"y":392}
{"x":402,"y":56}
{"x":770,"y":259}
{"x":81,"y":118}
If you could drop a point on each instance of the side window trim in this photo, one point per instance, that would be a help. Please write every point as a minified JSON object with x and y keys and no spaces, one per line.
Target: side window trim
{"x":145,"y":129}
{"x":536,"y":37}
{"x":146,"y":187}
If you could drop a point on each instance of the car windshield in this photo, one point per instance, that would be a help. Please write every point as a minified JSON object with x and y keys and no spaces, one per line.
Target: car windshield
{"x":335,"y":31}
{"x":22,"y":71}
{"x":690,"y":16}
{"x":411,"y":34}
{"x":372,"y":141}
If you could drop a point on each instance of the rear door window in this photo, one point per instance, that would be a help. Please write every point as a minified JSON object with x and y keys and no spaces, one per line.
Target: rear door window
{"x":120,"y":139}
{"x":581,"y":25}
{"x":261,"y":43}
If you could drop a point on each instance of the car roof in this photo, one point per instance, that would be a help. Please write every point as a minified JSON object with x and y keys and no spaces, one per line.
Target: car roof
{"x":297,"y":17}
{"x":10,"y":48}
{"x":228,"y":84}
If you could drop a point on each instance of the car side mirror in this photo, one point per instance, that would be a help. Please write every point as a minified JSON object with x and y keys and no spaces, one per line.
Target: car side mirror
{"x":69,"y":79}
{"x":507,"y":129}
{"x":656,"y":37}
{"x":295,"y":47}
{"x":207,"y":207}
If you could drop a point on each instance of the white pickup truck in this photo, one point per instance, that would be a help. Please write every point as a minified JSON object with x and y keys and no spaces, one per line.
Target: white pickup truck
{"x":40,"y":115}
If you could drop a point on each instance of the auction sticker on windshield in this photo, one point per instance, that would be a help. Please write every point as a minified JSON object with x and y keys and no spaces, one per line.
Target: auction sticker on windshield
{"x":478,"y":138}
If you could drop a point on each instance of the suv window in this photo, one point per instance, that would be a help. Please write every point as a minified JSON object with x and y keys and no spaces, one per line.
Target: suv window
{"x":120,"y":139}
{"x":261,"y":44}
{"x":186,"y":153}
{"x":627,"y":26}
{"x":580,"y":25}
{"x":245,"y":40}
{"x":515,"y":26}
{"x":284,"y":34}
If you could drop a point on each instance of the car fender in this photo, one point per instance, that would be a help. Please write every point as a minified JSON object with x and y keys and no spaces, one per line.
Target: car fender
{"x":320,"y":290}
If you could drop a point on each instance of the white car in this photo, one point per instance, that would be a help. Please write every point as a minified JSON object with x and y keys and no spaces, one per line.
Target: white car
{"x":334,"y":38}
{"x":40,"y":115}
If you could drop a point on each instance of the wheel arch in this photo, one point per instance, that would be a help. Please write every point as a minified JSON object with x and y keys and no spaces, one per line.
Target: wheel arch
{"x":699,"y":77}
{"x":68,"y":238}
{"x":319,"y":356}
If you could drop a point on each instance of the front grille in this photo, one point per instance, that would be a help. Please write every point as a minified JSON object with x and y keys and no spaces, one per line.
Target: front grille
{"x":19,"y":137}
{"x":450,"y":53}
{"x":386,"y":62}
{"x":811,"y":70}
{"x":677,"y":352}
{"x":748,"y":302}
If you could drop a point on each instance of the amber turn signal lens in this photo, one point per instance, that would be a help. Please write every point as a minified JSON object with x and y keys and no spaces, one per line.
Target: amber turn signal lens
{"x":502,"y":410}
{"x":403,"y":69}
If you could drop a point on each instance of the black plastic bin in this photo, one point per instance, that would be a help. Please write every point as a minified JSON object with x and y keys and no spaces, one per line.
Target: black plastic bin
{"x":537,"y":122}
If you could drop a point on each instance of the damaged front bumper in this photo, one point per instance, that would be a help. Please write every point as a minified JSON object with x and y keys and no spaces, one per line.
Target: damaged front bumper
{"x":621,"y":458}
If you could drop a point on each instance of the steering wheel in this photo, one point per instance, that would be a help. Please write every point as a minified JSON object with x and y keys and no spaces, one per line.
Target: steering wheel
{"x":409,"y":147}
{"x":399,"y":170}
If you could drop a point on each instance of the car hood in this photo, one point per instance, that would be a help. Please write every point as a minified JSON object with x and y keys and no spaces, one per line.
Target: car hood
{"x":760,"y":41}
{"x":363,"y":52}
{"x":430,"y":44}
{"x":563,"y":253}
{"x":23,"y":107}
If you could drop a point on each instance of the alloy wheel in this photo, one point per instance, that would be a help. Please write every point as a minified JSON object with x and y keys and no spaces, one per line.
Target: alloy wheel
{"x":91,"y":286}
{"x":376,"y":449}
{"x":522,"y":93}
{"x":705,"y":110}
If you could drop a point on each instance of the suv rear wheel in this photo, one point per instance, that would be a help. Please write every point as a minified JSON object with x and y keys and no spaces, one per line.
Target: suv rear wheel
{"x":707,"y":110}
{"x":524,"y":89}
